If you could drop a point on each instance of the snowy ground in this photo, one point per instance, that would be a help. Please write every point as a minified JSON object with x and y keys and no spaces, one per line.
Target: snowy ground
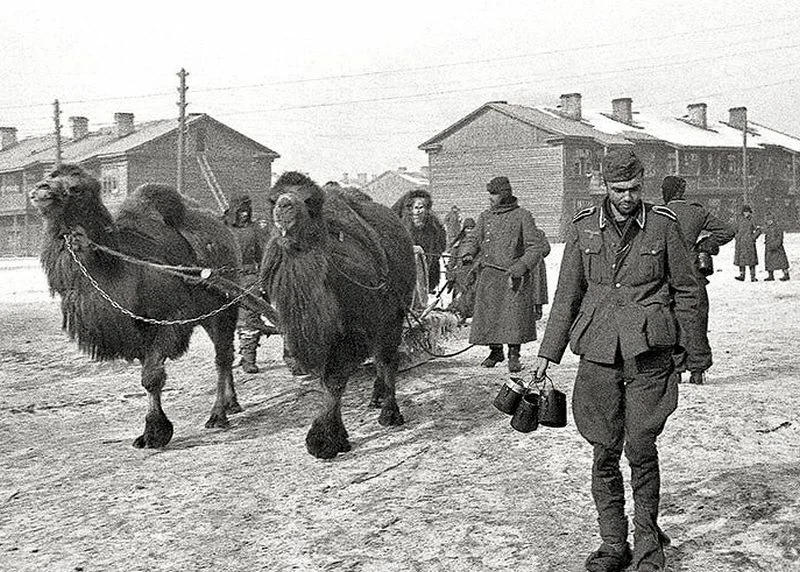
{"x":454,"y":489}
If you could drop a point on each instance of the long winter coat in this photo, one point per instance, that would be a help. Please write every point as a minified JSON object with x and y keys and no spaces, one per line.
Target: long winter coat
{"x":506,"y":241}
{"x":746,"y":234}
{"x":774,"y":253}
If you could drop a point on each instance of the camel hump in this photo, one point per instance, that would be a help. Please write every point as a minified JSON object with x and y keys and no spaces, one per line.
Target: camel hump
{"x":158,"y":200}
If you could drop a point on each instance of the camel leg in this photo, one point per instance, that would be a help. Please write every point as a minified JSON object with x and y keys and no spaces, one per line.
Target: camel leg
{"x":157,"y":428}
{"x":221,"y":331}
{"x":327,"y":436}
{"x":386,"y":362}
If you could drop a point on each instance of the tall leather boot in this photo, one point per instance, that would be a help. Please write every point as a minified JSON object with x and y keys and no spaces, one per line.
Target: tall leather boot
{"x":514,"y":364}
{"x":248,"y":343}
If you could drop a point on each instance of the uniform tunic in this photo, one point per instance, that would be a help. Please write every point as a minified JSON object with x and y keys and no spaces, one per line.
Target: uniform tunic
{"x":506,"y":240}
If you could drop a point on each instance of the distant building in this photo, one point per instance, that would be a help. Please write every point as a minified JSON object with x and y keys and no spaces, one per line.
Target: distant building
{"x":389,"y":186}
{"x":553,"y":155}
{"x":219,"y":163}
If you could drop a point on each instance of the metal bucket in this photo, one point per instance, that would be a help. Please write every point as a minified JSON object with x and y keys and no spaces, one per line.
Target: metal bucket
{"x":510,"y":395}
{"x":526,"y":417}
{"x":552,"y":408}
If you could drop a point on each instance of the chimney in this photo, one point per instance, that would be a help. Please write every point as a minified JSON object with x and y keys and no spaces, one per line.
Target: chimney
{"x":80,"y":127}
{"x":571,"y":105}
{"x":8,"y":137}
{"x":622,"y":109}
{"x":697,"y":114}
{"x":123,"y":122}
{"x":346,"y":178}
{"x":737,"y":117}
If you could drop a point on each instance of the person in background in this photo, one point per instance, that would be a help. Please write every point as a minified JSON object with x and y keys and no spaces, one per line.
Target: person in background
{"x":774,"y":253}
{"x":702,"y":232}
{"x":745,"y":254}
{"x":452,"y":225}
{"x":505,"y":249}
{"x":251,"y":239}
{"x":627,"y":299}
{"x":460,"y":275}
{"x":415,"y":210}
{"x":540,"y":293}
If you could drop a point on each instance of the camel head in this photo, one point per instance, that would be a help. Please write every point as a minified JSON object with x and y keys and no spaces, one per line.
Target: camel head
{"x":296,"y":200}
{"x":67,"y":188}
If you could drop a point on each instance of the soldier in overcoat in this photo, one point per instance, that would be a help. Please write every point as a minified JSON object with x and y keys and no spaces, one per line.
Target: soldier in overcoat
{"x":745,"y":254}
{"x":505,"y":248}
{"x":627,"y":298}
{"x":702,"y":232}
{"x":774,"y":253}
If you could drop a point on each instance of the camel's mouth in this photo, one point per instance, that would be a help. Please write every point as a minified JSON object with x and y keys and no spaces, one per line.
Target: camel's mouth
{"x":42,"y":196}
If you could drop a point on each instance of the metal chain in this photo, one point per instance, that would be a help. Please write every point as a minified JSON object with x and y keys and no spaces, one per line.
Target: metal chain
{"x":140,"y":262}
{"x":145,"y":319}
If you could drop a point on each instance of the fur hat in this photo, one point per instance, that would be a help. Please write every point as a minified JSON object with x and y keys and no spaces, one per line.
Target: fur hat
{"x":469,"y":222}
{"x":621,"y":165}
{"x":672,"y":188}
{"x":499,"y":186}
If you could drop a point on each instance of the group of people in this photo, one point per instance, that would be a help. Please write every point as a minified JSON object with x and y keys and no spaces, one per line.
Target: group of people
{"x":631,"y":302}
{"x":746,"y":255}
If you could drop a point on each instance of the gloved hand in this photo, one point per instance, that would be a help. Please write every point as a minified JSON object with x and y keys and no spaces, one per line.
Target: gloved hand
{"x":517,"y":270}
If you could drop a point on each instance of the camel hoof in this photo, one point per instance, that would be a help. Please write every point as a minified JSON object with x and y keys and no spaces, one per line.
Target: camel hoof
{"x":391,"y":417}
{"x":218,"y":420}
{"x":323,"y":445}
{"x":157,"y":432}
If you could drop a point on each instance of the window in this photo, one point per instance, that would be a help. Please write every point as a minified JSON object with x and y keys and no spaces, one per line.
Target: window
{"x":730,"y":164}
{"x":672,"y":164}
{"x":648,"y":159}
{"x":11,"y":184}
{"x":690,"y":163}
{"x":110,"y":185}
{"x":583,"y":161}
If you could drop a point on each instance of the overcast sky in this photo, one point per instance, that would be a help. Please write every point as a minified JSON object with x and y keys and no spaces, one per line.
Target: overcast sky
{"x":355,"y":87}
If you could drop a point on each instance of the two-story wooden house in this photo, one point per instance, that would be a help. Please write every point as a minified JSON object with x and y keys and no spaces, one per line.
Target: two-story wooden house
{"x":553,"y":157}
{"x":219,"y":162}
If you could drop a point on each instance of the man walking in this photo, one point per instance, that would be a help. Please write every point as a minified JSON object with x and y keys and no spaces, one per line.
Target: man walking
{"x":506,"y":247}
{"x":626,"y":299}
{"x":702,"y":232}
{"x":745,"y":254}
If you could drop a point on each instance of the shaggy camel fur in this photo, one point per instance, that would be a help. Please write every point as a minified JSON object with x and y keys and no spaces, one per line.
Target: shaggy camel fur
{"x":153,"y":225}
{"x":340,"y":271}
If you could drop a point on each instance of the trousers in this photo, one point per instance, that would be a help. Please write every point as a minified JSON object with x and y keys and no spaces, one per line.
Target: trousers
{"x":624,"y":407}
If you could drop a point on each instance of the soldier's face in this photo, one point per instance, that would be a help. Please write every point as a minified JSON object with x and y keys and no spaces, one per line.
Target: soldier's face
{"x":625,"y":195}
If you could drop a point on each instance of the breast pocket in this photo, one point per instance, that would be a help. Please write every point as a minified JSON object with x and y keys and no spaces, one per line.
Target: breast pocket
{"x":650,"y":262}
{"x":591,"y":247}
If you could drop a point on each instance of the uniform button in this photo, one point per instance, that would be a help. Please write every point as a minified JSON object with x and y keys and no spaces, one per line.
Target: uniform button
{"x":587,"y":251}
{"x":617,"y":285}
{"x":614,"y":265}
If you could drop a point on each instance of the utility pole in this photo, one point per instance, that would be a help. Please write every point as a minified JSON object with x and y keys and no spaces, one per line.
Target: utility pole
{"x":745,"y":193}
{"x":57,"y":119}
{"x":181,"y":126}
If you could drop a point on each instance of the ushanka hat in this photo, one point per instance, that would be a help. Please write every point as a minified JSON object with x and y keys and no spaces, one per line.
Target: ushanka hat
{"x":621,"y":165}
{"x":499,"y":186}
{"x":672,"y":187}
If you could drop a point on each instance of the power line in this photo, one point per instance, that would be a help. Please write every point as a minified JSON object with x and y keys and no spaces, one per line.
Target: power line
{"x":431,"y":67}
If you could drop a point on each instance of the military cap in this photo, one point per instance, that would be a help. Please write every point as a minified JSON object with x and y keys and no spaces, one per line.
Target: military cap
{"x":469,"y":222}
{"x":499,"y":186}
{"x":621,"y":165}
